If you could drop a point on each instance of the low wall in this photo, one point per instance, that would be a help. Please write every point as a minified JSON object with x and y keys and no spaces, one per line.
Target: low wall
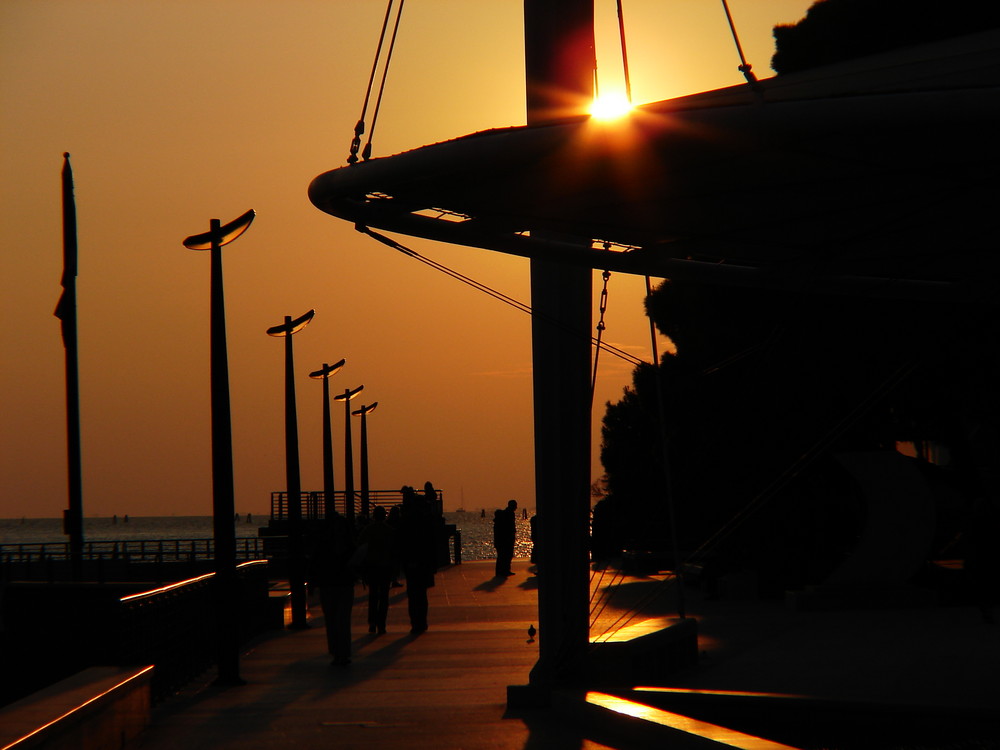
{"x":100,"y":707}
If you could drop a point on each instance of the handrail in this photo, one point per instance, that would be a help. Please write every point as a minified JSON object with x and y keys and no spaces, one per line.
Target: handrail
{"x":134,"y":550}
{"x":172,"y":626}
{"x":314,"y":505}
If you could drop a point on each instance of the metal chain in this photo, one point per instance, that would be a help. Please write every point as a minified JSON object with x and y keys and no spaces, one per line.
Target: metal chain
{"x":603,"y":307}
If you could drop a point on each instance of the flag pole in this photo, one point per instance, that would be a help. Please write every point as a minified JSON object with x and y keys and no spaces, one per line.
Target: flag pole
{"x":66,"y":312}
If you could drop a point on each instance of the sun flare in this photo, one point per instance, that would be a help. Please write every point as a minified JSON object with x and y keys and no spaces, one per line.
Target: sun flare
{"x":610,"y":106}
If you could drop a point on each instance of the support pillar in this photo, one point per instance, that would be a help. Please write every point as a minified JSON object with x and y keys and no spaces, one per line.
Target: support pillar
{"x":559,"y":65}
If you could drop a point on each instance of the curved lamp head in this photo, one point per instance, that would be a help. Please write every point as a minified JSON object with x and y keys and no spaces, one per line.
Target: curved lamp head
{"x":348,"y":395}
{"x":223,"y":236}
{"x":365,"y":409}
{"x":292,"y":326}
{"x":327,"y":370}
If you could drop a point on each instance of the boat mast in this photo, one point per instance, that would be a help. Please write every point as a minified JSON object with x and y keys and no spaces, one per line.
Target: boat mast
{"x":559,"y":72}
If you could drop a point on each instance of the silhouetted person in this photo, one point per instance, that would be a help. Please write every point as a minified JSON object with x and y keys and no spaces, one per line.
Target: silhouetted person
{"x":379,"y":560}
{"x":533,"y":523}
{"x":395,"y":521}
{"x":498,"y":543}
{"x":330,"y":570}
{"x":418,"y":556}
{"x":430,"y":496}
{"x":504,"y":536}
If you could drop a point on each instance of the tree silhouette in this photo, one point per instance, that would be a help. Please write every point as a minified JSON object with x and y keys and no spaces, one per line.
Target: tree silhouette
{"x":765,"y":389}
{"x":837,"y":30}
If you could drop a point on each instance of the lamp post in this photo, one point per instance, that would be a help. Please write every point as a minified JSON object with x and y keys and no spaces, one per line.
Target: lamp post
{"x":296,"y":574}
{"x":363,"y":412}
{"x":324,"y":374}
{"x":346,"y":397}
{"x":223,"y":501}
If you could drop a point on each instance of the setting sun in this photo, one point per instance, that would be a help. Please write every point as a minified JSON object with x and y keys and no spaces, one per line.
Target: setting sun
{"x":610,"y":106}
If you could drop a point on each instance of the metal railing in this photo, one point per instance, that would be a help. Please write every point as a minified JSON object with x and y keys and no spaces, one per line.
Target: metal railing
{"x":314,"y":503}
{"x":174,"y":626}
{"x":134,"y":550}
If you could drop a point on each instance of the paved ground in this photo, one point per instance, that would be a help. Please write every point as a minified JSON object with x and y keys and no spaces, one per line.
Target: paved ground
{"x":446,"y":688}
{"x":443,"y":689}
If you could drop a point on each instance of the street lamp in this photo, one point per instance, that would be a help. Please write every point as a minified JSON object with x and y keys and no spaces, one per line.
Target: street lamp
{"x":363,"y":412}
{"x":223,"y":501}
{"x":296,"y":574}
{"x":346,"y":397}
{"x":324,"y":374}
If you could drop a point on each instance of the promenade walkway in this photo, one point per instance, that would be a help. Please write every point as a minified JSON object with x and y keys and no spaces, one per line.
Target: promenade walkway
{"x":442,"y":689}
{"x":446,"y":689}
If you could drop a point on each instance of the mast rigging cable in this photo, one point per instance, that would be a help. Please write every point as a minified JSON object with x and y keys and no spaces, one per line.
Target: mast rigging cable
{"x":496,"y":294}
{"x":359,"y":127}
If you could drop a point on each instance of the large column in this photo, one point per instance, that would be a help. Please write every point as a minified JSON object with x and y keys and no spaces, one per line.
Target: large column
{"x":559,"y":64}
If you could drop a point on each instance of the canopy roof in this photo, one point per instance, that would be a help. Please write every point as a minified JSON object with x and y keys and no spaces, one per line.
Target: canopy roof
{"x":876,"y":175}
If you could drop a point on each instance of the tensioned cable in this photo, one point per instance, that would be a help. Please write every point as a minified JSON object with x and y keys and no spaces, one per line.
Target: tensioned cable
{"x":744,"y":67}
{"x":506,"y":299}
{"x":367,"y":152}
{"x":359,"y":127}
{"x":621,"y":37}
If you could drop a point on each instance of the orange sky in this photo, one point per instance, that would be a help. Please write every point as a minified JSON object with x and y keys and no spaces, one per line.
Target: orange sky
{"x":179,"y":111}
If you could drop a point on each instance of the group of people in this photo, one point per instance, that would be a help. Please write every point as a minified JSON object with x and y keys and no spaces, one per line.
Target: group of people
{"x":401,"y":540}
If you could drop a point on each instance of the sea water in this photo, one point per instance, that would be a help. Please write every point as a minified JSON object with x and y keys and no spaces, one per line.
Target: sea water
{"x":476,"y":530}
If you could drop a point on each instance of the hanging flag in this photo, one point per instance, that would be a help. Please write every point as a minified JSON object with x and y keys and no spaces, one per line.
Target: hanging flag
{"x":66,"y":308}
{"x":66,"y":312}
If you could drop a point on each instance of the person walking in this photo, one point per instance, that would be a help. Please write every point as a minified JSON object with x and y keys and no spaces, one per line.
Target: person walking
{"x":379,"y":561}
{"x":418,"y":556}
{"x":330,"y":571}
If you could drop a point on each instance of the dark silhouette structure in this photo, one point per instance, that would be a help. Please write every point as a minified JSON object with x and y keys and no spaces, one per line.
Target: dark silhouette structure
{"x":223,"y":501}
{"x":837,"y":30}
{"x":324,"y":374}
{"x":854,"y":183}
{"x":363,"y":412}
{"x":296,"y":573}
{"x":346,"y":397}
{"x":66,"y":312}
